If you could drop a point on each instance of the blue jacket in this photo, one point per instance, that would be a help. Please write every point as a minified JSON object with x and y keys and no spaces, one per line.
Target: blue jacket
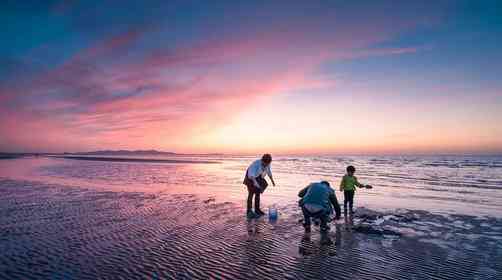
{"x":321,"y":195}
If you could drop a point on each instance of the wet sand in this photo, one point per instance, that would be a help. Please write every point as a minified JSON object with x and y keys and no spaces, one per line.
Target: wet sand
{"x":51,"y":231}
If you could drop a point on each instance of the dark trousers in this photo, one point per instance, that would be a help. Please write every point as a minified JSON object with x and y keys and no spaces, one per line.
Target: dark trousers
{"x":348,"y":198}
{"x":250,"y":200}
{"x":252,"y":191}
{"x":322,"y":215}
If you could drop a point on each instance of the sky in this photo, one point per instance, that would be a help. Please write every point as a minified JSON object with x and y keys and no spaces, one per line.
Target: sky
{"x":248,"y":77}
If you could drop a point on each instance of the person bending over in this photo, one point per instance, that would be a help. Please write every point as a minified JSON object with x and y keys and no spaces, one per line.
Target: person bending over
{"x":256,"y":183}
{"x":317,"y":201}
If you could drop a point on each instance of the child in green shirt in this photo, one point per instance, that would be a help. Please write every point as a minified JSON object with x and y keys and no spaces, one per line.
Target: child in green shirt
{"x":348,"y":186}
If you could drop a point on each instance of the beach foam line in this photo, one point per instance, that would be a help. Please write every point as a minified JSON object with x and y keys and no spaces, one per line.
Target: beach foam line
{"x":118,"y":159}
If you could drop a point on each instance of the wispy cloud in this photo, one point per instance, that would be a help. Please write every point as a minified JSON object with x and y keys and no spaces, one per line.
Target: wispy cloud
{"x":133,"y":83}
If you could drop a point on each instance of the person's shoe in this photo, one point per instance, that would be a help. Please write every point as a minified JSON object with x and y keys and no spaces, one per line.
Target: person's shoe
{"x":325,"y":228}
{"x":352,"y":212}
{"x":326,"y":241}
{"x":307,"y":228}
{"x":259,"y":212}
{"x":250,"y":214}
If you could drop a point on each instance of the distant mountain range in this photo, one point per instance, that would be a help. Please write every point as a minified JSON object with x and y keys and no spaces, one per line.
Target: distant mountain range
{"x":132,"y":153}
{"x":124,"y":153}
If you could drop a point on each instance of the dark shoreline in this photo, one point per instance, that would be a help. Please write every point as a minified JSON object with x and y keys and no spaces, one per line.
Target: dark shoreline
{"x":9,"y":157}
{"x":117,"y":159}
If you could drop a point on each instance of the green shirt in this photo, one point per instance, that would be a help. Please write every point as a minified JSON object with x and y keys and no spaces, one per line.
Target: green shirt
{"x":349,"y":183}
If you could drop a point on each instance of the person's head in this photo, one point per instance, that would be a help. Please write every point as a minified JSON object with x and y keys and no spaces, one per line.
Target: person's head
{"x":266,"y":159}
{"x":325,"y":183}
{"x":351,"y":170}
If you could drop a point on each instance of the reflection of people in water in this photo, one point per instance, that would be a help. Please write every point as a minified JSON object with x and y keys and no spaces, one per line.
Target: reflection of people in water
{"x":306,"y":244}
{"x":257,"y":249}
{"x":317,"y":201}
{"x":338,"y":234}
{"x":325,"y":245}
{"x":253,"y":228}
{"x":349,"y":222}
{"x":325,"y":238}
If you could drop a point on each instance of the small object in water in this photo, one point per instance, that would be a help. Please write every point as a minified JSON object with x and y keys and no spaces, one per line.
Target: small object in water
{"x":272,"y":212}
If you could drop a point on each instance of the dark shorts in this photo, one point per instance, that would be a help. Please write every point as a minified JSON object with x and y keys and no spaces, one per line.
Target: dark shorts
{"x":251,"y":187}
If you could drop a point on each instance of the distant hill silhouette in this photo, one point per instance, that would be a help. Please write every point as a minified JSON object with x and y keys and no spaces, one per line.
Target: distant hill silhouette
{"x":132,"y":153}
{"x":125,"y":153}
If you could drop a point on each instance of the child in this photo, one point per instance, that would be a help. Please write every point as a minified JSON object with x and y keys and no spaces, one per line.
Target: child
{"x":348,"y":186}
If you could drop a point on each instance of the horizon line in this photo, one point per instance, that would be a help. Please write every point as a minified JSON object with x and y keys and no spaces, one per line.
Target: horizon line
{"x":496,"y":154}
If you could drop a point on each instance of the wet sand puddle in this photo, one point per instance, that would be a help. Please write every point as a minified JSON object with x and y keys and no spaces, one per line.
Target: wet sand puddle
{"x":62,"y":232}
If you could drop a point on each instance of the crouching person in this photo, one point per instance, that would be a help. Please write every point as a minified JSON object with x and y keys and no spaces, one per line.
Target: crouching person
{"x":317,"y":201}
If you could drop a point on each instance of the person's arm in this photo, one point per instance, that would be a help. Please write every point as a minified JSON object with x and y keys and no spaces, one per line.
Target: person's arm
{"x":255,"y":183}
{"x":363,"y":185}
{"x":303,"y":191}
{"x":341,"y":183}
{"x":269,"y":173}
{"x":272,"y":179}
{"x":336,"y":205}
{"x":359,"y":184}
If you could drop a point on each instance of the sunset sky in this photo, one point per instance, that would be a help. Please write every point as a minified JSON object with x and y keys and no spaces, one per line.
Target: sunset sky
{"x":285,"y":77}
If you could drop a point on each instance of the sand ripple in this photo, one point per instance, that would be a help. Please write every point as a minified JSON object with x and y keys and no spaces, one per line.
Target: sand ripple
{"x":62,"y":232}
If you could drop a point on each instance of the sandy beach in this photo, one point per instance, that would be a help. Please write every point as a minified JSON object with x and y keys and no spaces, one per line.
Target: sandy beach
{"x":197,"y":139}
{"x":52,"y":230}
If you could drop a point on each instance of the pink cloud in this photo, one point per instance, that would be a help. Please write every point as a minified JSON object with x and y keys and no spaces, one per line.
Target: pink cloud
{"x":173,"y":91}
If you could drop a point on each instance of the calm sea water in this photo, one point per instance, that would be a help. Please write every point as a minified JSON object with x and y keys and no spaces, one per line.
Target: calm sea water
{"x":452,"y":184}
{"x":78,"y":219}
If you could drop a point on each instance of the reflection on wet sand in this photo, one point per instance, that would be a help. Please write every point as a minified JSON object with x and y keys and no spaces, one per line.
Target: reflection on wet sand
{"x":349,"y":222}
{"x":323,"y":246}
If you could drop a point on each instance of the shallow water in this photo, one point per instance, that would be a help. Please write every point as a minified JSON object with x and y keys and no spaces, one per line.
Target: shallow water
{"x":458,"y":185}
{"x":68,"y":219}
